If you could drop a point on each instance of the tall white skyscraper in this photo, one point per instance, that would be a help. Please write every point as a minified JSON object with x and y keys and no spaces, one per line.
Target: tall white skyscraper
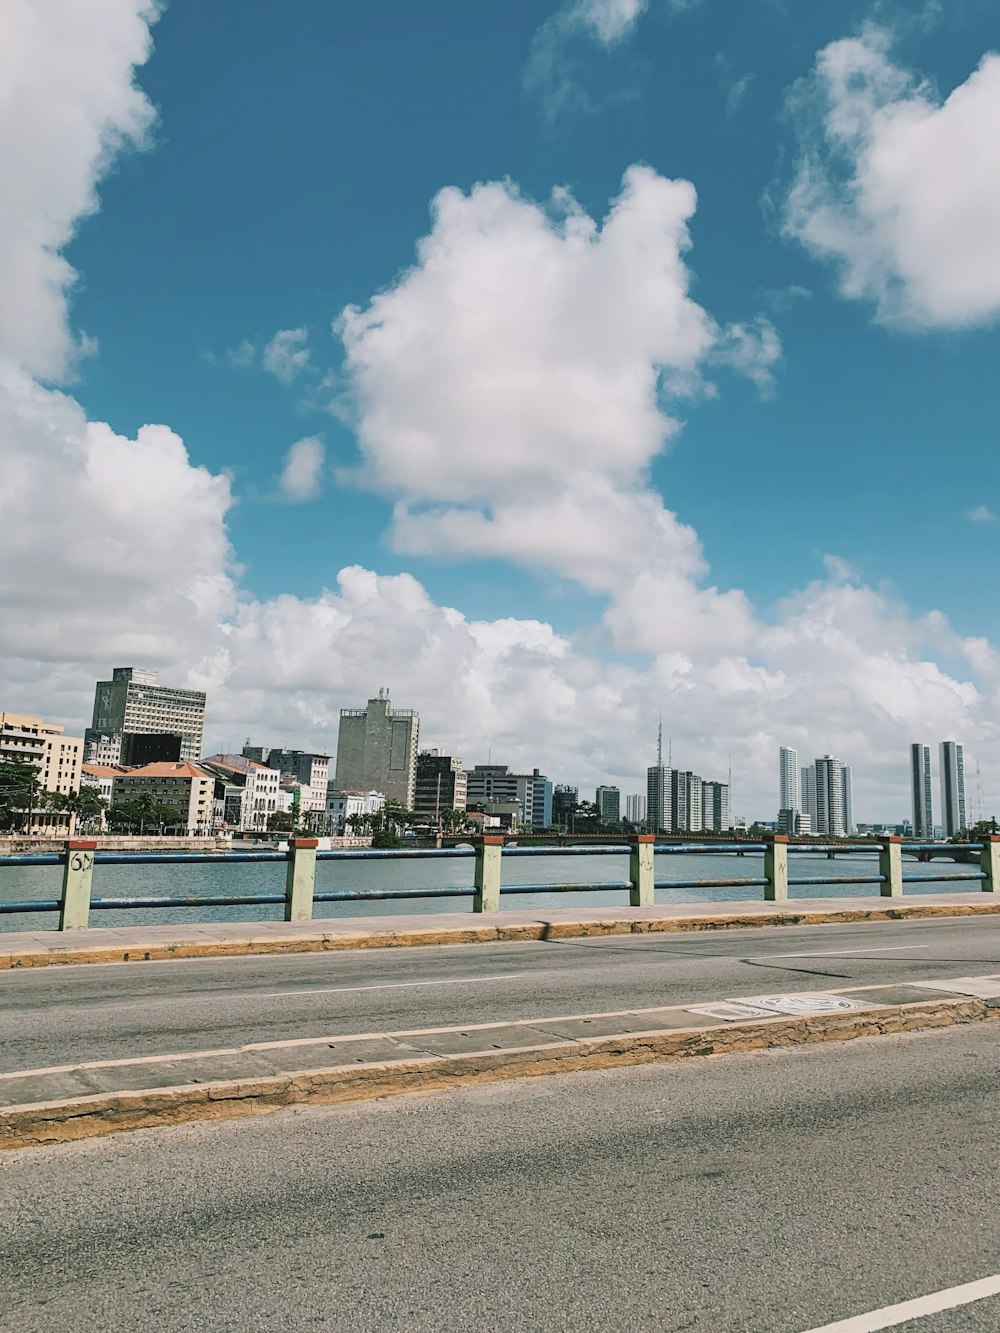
{"x":829,"y":796}
{"x":635,"y":809}
{"x":788,"y":779}
{"x":848,"y":783}
{"x":952,"y":764}
{"x":920,"y":791}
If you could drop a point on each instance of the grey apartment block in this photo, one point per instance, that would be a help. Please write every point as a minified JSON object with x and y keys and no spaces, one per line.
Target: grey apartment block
{"x":377,"y":750}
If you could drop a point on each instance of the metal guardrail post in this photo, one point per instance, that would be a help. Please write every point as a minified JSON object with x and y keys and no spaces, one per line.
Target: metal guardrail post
{"x":487,"y":877}
{"x":776,"y":867}
{"x":890,"y":866}
{"x":300,"y":879}
{"x":640,"y":870}
{"x":989,"y":862}
{"x":78,"y":871}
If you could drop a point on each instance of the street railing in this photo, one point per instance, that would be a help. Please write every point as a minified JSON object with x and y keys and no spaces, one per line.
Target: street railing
{"x":79,"y":856}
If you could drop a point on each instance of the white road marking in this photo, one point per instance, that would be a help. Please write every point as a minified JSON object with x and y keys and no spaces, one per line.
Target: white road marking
{"x":892,"y":1315}
{"x":389,"y":985}
{"x":836,"y":953}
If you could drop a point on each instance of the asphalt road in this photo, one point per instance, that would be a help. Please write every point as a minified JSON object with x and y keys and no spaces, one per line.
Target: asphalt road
{"x":63,"y":1015}
{"x":770,"y":1193}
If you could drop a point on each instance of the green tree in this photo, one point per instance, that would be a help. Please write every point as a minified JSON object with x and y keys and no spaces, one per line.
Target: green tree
{"x":20,"y":793}
{"x":281,"y":821}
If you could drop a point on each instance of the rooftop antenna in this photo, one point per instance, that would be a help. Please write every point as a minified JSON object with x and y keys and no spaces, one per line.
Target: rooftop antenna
{"x":659,"y":744}
{"x":670,"y":752}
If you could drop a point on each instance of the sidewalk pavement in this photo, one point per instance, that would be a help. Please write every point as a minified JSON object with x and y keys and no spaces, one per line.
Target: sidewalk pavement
{"x":232,"y":938}
{"x":69,"y":1102}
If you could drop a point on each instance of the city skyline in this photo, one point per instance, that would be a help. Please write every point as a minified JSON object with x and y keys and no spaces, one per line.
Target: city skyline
{"x":233,"y":479}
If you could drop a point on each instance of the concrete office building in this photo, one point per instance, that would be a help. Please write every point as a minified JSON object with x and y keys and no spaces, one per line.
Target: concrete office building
{"x":807,"y":793}
{"x":441,"y":784}
{"x":494,"y":789}
{"x":608,"y":801}
{"x":133,"y":701}
{"x":951,"y":759}
{"x":920,"y":791}
{"x":788,"y":779}
{"x":377,"y":750}
{"x":565,"y":799}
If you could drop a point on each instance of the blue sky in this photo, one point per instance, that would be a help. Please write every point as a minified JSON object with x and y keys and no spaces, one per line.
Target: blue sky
{"x":831,"y":416}
{"x":293,"y":166}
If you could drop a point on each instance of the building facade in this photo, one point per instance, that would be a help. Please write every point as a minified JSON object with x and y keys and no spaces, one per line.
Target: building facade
{"x":56,"y":759}
{"x":185,"y":788}
{"x":134,"y":701}
{"x":920,"y":791}
{"x":441,"y":784}
{"x":258,"y":785}
{"x":311,"y":771}
{"x":377,"y":750}
{"x":951,"y":760}
{"x":342,"y":806}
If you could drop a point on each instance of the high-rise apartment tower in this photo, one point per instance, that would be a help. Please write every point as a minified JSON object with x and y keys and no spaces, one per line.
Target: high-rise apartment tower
{"x":788,"y":779}
{"x":951,"y":758}
{"x":920,"y":791}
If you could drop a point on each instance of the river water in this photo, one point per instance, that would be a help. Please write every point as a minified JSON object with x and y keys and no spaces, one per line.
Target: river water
{"x":19,"y":884}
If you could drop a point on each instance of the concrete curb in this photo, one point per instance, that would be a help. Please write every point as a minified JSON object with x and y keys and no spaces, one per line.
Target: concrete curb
{"x":75,"y":954}
{"x":46,"y":1123}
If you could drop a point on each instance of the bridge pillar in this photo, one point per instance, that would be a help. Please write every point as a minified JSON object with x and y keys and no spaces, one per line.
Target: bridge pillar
{"x":989,"y":862}
{"x":78,"y":871}
{"x":489,"y":850}
{"x":890,"y":866}
{"x":776,"y":867}
{"x":300,"y":879}
{"x":641,"y":873}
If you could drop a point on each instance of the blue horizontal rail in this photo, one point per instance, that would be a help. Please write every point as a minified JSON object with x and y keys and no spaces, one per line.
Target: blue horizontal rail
{"x":943,"y":878}
{"x":796,"y":881}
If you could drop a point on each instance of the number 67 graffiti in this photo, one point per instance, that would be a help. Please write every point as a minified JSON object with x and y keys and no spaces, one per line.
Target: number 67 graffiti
{"x":81,"y":861}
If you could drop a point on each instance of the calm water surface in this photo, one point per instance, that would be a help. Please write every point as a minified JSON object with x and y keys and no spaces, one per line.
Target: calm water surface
{"x":18,"y":884}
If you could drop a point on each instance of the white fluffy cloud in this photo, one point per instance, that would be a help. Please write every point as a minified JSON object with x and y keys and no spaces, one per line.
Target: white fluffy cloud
{"x":899,"y":187}
{"x":301,"y":478}
{"x":520,"y":422}
{"x":287,"y":354}
{"x":516,"y":384}
{"x":67,"y":104}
